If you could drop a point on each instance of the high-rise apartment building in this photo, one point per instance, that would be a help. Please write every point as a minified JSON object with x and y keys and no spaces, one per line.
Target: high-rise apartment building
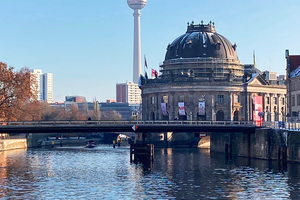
{"x":128,"y":93}
{"x":42,"y":85}
{"x":270,"y":76}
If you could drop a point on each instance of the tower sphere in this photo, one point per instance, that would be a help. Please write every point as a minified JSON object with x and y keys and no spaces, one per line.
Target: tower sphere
{"x":136,"y":4}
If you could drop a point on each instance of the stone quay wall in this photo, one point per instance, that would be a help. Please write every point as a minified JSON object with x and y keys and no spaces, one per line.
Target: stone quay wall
{"x":11,"y":144}
{"x":267,"y":144}
{"x":293,"y":145}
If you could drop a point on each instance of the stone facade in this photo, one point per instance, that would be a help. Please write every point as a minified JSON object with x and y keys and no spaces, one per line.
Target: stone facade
{"x":11,"y":144}
{"x":293,"y":86}
{"x":203,"y":79}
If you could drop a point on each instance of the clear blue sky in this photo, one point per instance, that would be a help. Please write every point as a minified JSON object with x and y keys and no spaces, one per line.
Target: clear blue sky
{"x":88,"y":44}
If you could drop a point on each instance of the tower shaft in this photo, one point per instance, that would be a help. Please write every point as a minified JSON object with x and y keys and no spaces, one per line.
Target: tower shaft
{"x":137,"y":66}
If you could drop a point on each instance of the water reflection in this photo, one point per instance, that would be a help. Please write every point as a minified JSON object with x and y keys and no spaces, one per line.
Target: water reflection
{"x":106,"y":173}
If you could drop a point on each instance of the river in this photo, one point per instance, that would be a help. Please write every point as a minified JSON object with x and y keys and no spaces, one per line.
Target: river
{"x":176,"y":173}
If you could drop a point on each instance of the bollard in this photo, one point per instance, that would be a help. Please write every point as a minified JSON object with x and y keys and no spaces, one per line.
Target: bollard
{"x":52,"y":143}
{"x":119,"y":139}
{"x":114,"y":144}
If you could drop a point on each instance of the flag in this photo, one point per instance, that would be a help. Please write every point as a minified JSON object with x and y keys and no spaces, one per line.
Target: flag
{"x":146,"y":76}
{"x":145,"y":62}
{"x":153,"y":72}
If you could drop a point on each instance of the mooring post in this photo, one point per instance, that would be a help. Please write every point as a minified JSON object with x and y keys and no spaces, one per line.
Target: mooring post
{"x":279,"y":154}
{"x":166,"y":139}
{"x":228,"y":151}
{"x":285,"y":154}
{"x":131,"y":152}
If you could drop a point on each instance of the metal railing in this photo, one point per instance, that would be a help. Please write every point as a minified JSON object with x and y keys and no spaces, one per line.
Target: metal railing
{"x":266,"y":124}
{"x":148,"y":122}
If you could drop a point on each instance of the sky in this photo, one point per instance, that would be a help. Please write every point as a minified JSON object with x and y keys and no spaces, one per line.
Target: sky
{"x":88,"y":44}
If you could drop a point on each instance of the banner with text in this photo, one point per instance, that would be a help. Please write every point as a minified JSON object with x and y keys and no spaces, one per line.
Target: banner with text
{"x":164,"y":109}
{"x":201,"y":108}
{"x":257,"y":101}
{"x":181,"y":110}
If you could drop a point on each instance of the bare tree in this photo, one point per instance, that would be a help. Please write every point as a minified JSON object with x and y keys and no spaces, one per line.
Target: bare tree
{"x":111,"y":115}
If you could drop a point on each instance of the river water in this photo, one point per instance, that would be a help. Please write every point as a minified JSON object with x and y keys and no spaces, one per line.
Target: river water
{"x":106,"y":173}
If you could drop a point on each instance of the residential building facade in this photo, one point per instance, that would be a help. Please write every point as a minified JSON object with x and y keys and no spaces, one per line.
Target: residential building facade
{"x":128,"y":93}
{"x":42,"y":85}
{"x":293,"y":86}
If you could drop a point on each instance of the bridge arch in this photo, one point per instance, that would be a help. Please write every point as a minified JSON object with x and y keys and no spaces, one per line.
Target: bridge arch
{"x":220,"y":115}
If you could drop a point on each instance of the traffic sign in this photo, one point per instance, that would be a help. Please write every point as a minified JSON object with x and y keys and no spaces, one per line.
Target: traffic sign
{"x":134,"y":127}
{"x":202,"y":134}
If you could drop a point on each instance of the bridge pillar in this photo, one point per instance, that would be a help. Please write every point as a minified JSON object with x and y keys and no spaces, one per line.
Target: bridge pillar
{"x":141,"y":152}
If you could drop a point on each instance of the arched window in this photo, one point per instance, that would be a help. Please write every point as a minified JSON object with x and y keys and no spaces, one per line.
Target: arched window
{"x":220,"y":115}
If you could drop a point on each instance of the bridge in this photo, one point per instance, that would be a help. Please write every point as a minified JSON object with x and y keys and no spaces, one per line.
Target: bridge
{"x":127,"y":126}
{"x":238,"y":138}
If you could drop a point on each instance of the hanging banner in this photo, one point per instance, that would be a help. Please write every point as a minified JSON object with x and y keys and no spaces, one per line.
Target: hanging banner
{"x":164,"y":109}
{"x":201,"y":108}
{"x":181,"y":110}
{"x":257,"y":101}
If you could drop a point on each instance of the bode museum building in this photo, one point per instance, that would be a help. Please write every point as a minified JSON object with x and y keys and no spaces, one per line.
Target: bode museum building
{"x":202,"y":79}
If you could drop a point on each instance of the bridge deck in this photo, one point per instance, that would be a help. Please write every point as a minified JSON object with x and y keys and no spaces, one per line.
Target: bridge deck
{"x":142,"y":126}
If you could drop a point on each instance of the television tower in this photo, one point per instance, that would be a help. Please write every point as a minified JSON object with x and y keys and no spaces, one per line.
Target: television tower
{"x":137,"y":5}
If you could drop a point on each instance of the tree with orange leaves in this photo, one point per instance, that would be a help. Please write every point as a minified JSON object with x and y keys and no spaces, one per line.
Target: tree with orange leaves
{"x":17,"y":99}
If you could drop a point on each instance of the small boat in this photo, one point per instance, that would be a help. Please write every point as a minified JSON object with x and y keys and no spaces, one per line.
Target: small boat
{"x":90,"y":144}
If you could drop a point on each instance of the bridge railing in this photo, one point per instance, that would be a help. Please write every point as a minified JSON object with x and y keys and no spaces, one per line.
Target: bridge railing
{"x":148,"y":122}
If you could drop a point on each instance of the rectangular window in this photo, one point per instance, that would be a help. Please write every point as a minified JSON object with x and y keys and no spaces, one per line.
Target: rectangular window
{"x":282,"y":101}
{"x":152,"y":100}
{"x":275,"y":100}
{"x":220,"y":98}
{"x":165,"y":99}
{"x":298,"y":99}
{"x":268,"y":100}
{"x":293,"y":100}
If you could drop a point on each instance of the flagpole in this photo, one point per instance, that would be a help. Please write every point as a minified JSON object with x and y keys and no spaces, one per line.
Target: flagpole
{"x":144,"y":63}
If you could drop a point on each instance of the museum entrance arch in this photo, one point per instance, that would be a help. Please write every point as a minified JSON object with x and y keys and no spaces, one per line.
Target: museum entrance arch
{"x":182,"y":117}
{"x":236,"y":116}
{"x":165,"y":117}
{"x":152,"y":115}
{"x":220,"y":115}
{"x":201,"y":117}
